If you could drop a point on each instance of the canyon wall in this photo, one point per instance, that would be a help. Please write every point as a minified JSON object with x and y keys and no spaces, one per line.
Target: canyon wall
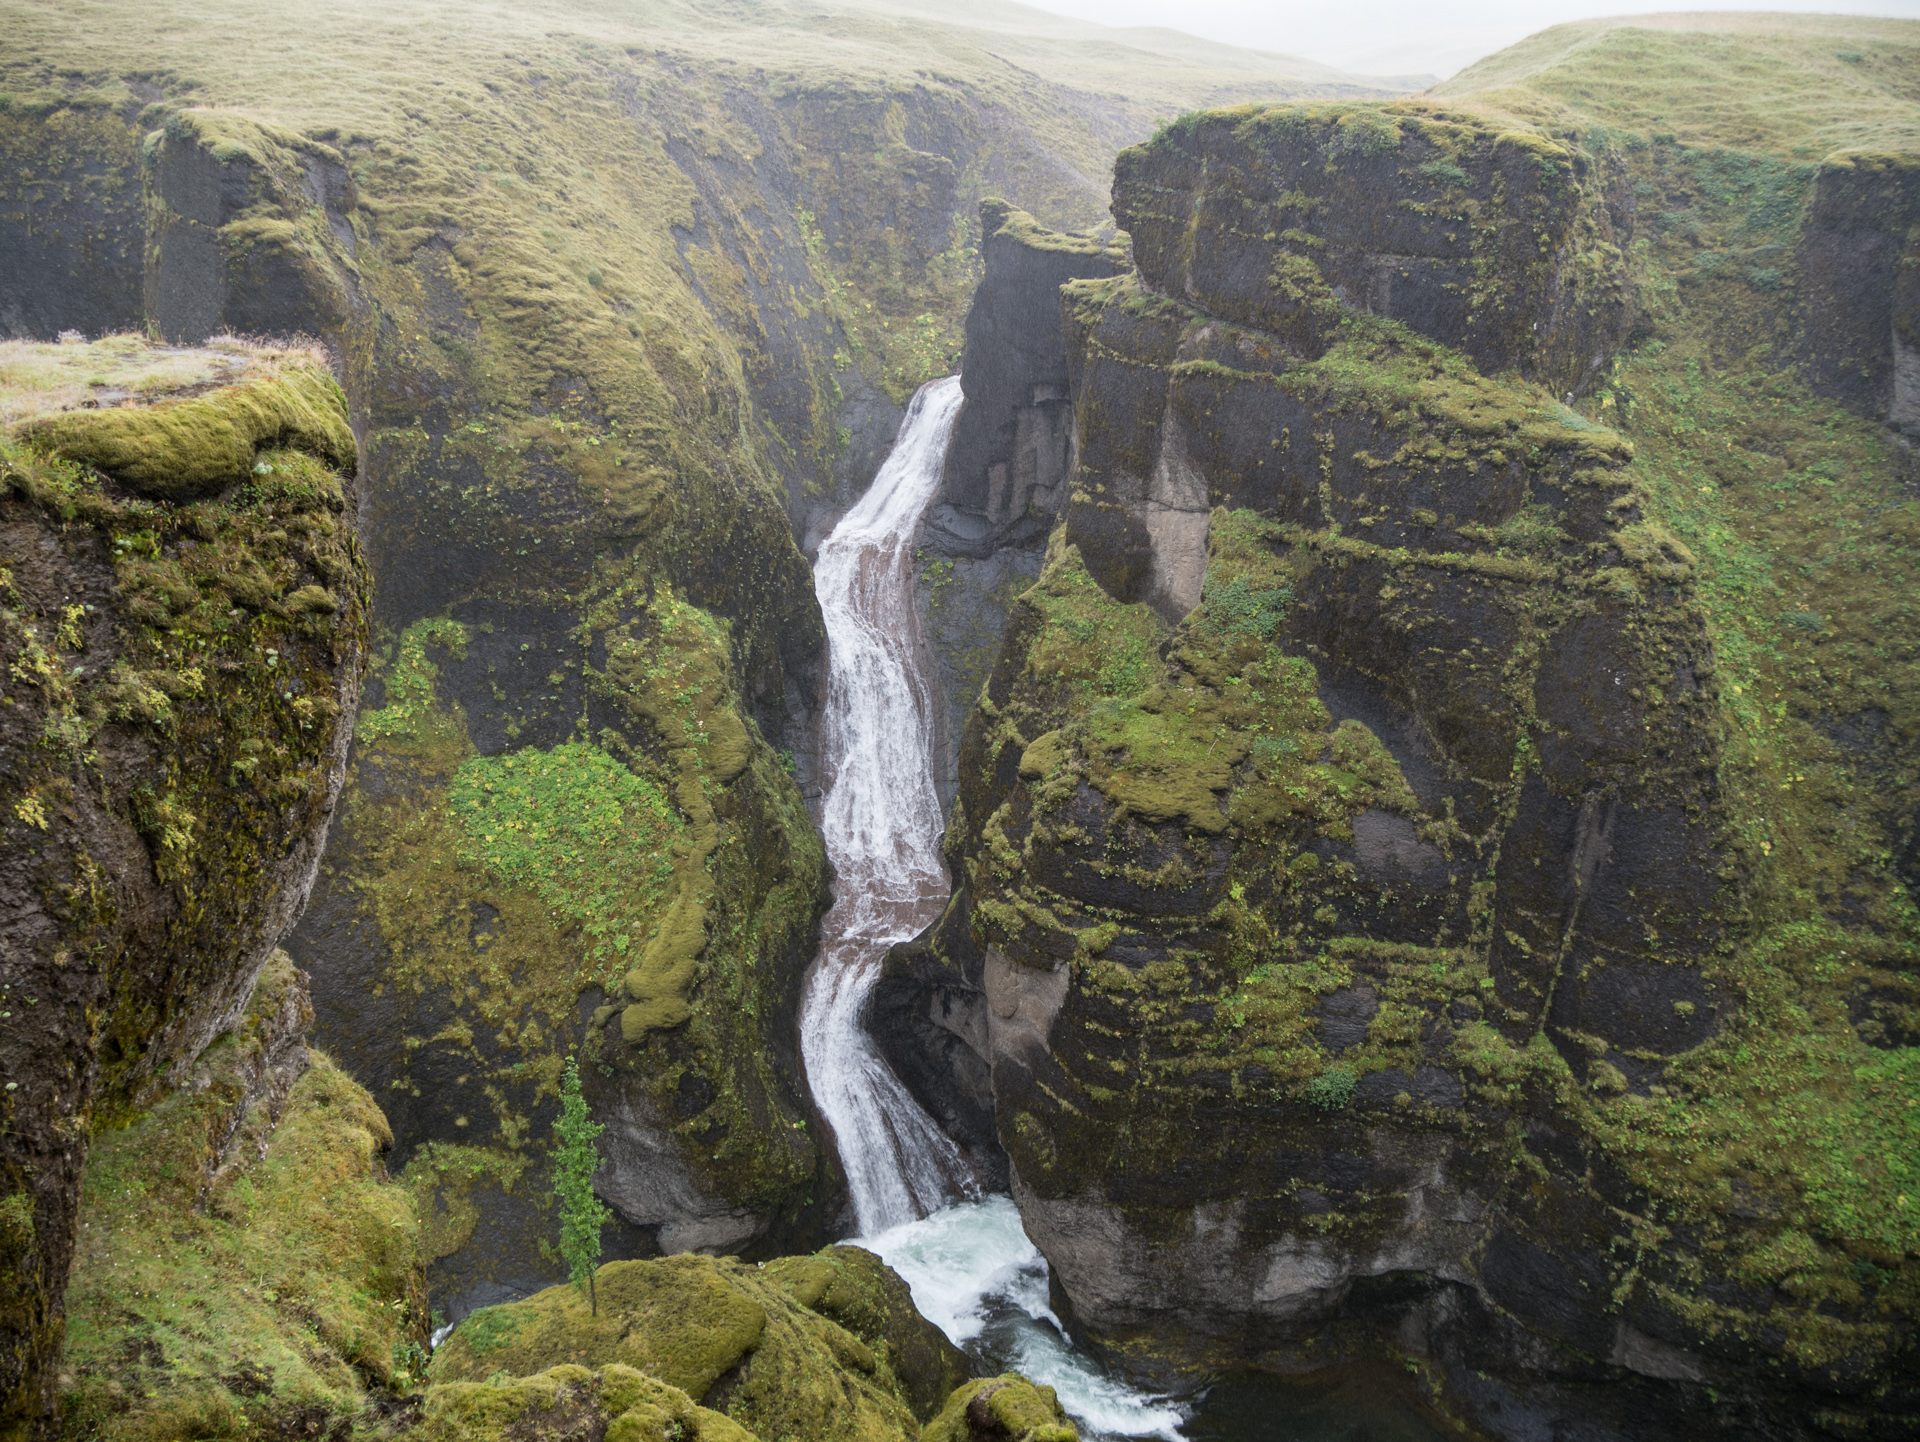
{"x":1432,"y":841}
{"x":184,"y":618}
{"x":619,"y":318}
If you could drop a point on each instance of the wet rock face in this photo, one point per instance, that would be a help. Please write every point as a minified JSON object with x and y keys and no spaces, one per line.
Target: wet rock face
{"x":1500,"y":244}
{"x":1009,"y":461}
{"x":1347,"y":849}
{"x":180,"y":681}
{"x":70,"y":228}
{"x":1859,"y":304}
{"x":1011,"y":446}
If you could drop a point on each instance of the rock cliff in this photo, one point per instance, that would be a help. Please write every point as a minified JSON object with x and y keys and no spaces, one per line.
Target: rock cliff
{"x":1432,"y":840}
{"x":183,"y":629}
{"x":622,"y":307}
{"x":1009,"y":462}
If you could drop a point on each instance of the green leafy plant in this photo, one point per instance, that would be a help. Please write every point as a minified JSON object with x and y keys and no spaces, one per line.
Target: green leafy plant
{"x":575,"y":1160}
{"x":1333,"y":1088}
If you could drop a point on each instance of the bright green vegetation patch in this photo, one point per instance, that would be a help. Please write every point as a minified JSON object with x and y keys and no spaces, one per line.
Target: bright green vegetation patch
{"x":220,"y":1293}
{"x":1775,"y":84}
{"x":576,"y":827}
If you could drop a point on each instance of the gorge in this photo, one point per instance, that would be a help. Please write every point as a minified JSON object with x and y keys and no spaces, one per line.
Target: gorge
{"x":1332,"y":819}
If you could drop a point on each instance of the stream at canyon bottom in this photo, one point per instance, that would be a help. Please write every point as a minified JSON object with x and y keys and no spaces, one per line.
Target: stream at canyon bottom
{"x":972,"y":1269}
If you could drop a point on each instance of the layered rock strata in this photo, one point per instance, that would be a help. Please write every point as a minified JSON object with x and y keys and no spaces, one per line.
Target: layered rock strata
{"x":1362,"y":874}
{"x":1011,"y":457}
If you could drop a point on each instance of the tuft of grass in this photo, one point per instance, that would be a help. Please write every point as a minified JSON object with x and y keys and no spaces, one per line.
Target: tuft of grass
{"x":1333,"y":1088}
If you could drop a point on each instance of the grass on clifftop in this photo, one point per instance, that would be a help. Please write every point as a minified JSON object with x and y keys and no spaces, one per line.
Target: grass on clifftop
{"x":1798,"y":85}
{"x":41,"y":377}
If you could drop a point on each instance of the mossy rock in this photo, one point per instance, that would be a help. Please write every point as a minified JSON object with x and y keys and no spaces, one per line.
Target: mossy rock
{"x":177,"y":687}
{"x":853,"y":1287}
{"x":613,"y":1402}
{"x":181,"y":450}
{"x":1008,"y":1408}
{"x":739,"y":1339}
{"x":243,"y":1262}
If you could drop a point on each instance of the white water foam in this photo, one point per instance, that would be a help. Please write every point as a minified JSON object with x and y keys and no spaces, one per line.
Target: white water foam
{"x":977,"y":1277}
{"x":971,"y":1267}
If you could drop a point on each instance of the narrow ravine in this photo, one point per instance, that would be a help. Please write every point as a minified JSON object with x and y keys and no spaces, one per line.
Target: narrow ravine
{"x":972,"y":1269}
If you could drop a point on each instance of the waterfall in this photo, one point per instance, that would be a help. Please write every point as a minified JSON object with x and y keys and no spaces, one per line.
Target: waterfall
{"x":881,"y":823}
{"x":969,"y":1263}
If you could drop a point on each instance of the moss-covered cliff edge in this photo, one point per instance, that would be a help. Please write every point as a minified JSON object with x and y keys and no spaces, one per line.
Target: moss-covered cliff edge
{"x":184,"y":613}
{"x":1437,"y":837}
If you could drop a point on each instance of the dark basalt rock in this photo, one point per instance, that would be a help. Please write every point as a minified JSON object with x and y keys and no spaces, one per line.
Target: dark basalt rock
{"x":180,"y":685}
{"x":1009,"y":460}
{"x":1347,"y":808}
{"x":1011,"y":444}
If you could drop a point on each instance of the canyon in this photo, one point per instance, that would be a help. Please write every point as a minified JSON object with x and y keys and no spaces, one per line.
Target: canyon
{"x":1395,"y":706}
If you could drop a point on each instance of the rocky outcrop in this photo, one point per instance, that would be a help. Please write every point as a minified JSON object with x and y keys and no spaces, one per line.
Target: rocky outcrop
{"x":1008,"y":465}
{"x":1859,"y":292}
{"x":818,"y":1348}
{"x":182,"y":659}
{"x":70,"y":202}
{"x":1359,"y":866}
{"x":1011,"y":455}
{"x":1002,"y":1409}
{"x":1502,"y":244}
{"x":244,"y":1261}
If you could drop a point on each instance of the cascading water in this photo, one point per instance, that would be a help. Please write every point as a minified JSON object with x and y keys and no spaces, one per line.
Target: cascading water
{"x":881,"y":823}
{"x":972,"y":1269}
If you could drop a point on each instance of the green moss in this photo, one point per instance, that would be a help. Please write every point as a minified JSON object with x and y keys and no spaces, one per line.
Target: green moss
{"x":660,"y":864}
{"x":234,"y":1268}
{"x":409,"y":719}
{"x":692,"y":1321}
{"x":1008,"y":1406}
{"x":853,"y":1287}
{"x":567,"y":1401}
{"x":443,"y":1179}
{"x":577,"y":828}
{"x":1333,"y":1088}
{"x":184,"y":449}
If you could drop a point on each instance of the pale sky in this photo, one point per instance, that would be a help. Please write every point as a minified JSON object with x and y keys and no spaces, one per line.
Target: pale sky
{"x":1383,"y":37}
